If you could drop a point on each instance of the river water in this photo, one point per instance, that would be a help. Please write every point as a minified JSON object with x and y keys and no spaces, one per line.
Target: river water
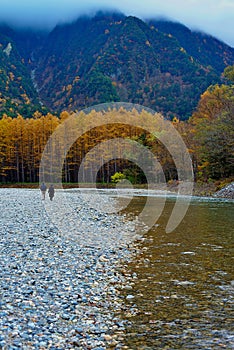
{"x":180,"y":286}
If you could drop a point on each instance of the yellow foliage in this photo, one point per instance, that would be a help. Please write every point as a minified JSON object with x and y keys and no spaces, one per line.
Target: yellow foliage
{"x":69,"y":87}
{"x":11,"y":76}
{"x":175,"y":120}
{"x":26,"y":99}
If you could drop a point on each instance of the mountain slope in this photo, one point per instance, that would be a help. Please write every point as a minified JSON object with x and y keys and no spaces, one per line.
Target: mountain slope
{"x":17,"y":92}
{"x":111,"y":57}
{"x":208,"y":50}
{"x":152,"y":69}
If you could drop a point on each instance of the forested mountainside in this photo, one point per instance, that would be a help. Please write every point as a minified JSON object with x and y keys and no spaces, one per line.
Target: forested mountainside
{"x":110,"y":57}
{"x":17,"y":91}
{"x":208,"y":50}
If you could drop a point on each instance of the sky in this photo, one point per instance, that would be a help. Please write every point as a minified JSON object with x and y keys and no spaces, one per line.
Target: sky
{"x":215,"y":17}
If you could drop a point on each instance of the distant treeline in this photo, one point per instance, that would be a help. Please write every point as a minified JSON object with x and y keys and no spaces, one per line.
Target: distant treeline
{"x":23,"y":142}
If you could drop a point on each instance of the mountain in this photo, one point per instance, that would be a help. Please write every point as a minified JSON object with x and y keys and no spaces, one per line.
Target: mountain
{"x":208,"y":50}
{"x":112,"y":57}
{"x":17,"y":91}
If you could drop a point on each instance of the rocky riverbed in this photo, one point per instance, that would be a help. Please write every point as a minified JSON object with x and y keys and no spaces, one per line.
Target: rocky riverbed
{"x":74,"y":274}
{"x":60,"y":277}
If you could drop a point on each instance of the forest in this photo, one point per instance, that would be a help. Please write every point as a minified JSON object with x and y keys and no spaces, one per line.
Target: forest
{"x":208,"y":135}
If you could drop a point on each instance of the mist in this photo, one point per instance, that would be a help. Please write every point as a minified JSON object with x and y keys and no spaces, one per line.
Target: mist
{"x":214,"y":17}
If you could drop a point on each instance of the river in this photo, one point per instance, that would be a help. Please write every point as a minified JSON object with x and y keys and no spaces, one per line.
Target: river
{"x":181,"y":284}
{"x":75,"y":277}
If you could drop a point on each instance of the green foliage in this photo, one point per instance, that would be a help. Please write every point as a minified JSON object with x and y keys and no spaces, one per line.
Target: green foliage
{"x":134,"y":174}
{"x":117,"y":177}
{"x":229,"y":73}
{"x":216,"y":139}
{"x":100,"y":88}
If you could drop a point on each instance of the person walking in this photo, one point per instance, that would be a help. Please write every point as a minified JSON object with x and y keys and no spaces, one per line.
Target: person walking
{"x":43,"y":189}
{"x":51,"y":192}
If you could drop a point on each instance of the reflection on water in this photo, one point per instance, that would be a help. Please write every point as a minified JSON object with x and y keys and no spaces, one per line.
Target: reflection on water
{"x":180,"y":290}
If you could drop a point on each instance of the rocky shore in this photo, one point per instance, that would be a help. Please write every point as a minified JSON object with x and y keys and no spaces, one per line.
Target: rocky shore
{"x":59,"y":285}
{"x":202,"y":189}
{"x":63,"y":281}
{"x":226,"y":192}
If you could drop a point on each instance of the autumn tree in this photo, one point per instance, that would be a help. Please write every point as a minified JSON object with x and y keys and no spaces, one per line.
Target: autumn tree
{"x":229,"y":73}
{"x":212,"y":125}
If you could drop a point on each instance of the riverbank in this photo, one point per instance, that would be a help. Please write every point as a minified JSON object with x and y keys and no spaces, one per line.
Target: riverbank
{"x":202,"y":189}
{"x":60,"y":277}
{"x":226,"y":192}
{"x":66,"y":280}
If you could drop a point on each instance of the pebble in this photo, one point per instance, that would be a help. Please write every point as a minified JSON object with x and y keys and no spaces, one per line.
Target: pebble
{"x":59,"y":281}
{"x":130,"y":297}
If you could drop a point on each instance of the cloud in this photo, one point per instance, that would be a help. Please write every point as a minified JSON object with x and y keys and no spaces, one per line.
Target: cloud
{"x":212,"y":16}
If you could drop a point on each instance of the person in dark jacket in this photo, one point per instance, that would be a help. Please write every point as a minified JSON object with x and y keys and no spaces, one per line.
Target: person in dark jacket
{"x":43,"y":189}
{"x":51,"y":192}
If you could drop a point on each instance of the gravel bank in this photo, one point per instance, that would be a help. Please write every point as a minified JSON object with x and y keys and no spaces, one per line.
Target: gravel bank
{"x":226,"y":192}
{"x":59,"y":274}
